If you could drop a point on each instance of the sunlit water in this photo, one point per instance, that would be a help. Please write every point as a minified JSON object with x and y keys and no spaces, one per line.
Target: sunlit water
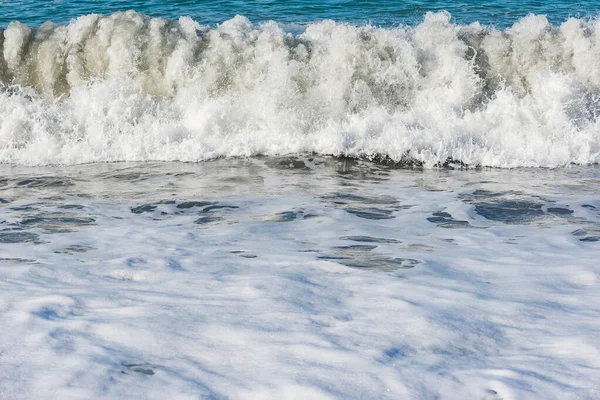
{"x":187,"y":209}
{"x":385,"y":13}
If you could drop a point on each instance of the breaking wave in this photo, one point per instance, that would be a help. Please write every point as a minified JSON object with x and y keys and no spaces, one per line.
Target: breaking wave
{"x":127,"y":87}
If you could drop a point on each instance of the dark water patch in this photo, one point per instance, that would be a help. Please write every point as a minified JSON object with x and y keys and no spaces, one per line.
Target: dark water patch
{"x":245,"y":180}
{"x":445,"y":220}
{"x":355,"y":170}
{"x":420,"y":248}
{"x":43,"y":182}
{"x":25,"y":208}
{"x":177,"y":174}
{"x":345,"y":198}
{"x":174,"y":265}
{"x":244,"y":254}
{"x":367,"y":207}
{"x":364,"y":176}
{"x":218,"y":207}
{"x":192,"y":204}
{"x":136,"y":262}
{"x":19,"y":237}
{"x":510,"y":207}
{"x":587,"y":235}
{"x":510,"y":211}
{"x":53,"y":198}
{"x":491,"y":394}
{"x":208,"y":219}
{"x":330,"y":257}
{"x":358,"y":247}
{"x":149,"y":208}
{"x":126,"y":176}
{"x":76,"y":248}
{"x":4,"y":201}
{"x":4,"y":260}
{"x":144,"y":369}
{"x":481,"y":194}
{"x":369,"y":239}
{"x":559,"y":211}
{"x":380,"y":263}
{"x":287,"y":216}
{"x":287,"y":163}
{"x":209,"y":214}
{"x":589,"y":206}
{"x":394,"y":353}
{"x":48,"y":313}
{"x":71,"y":207}
{"x":143,"y":208}
{"x":248,"y":255}
{"x":371,"y":213}
{"x":58,"y":222}
{"x":361,"y":256}
{"x":58,"y":219}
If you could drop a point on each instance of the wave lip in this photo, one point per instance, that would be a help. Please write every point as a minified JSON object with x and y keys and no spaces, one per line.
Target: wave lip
{"x":127,"y":87}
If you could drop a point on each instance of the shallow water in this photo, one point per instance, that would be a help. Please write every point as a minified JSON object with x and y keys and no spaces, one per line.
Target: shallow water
{"x":174,"y":224}
{"x":328,"y":277}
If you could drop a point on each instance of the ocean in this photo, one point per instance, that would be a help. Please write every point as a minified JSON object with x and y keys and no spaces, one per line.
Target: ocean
{"x":299,"y":200}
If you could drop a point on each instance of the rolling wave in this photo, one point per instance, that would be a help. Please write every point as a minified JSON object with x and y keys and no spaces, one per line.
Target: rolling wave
{"x":127,"y":87}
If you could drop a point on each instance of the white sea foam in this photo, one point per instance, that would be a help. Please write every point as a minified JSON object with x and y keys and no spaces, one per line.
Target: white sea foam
{"x":328,"y":281}
{"x":127,"y":87}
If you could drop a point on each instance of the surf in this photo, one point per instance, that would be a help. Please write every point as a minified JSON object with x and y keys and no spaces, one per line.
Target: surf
{"x":127,"y":87}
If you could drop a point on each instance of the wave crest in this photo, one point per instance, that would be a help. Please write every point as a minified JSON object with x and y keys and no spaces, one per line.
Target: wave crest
{"x":127,"y":87}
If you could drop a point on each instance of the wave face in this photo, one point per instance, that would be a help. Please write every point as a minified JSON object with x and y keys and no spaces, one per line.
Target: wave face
{"x":131,"y":88}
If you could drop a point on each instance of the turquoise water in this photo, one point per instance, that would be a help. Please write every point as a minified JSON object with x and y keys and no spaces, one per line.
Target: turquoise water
{"x":383,"y":13}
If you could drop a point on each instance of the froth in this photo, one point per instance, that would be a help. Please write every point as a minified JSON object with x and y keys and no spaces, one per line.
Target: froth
{"x":131,"y":88}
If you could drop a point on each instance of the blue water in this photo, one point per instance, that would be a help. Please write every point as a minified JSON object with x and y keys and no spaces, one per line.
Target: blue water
{"x":382,"y":13}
